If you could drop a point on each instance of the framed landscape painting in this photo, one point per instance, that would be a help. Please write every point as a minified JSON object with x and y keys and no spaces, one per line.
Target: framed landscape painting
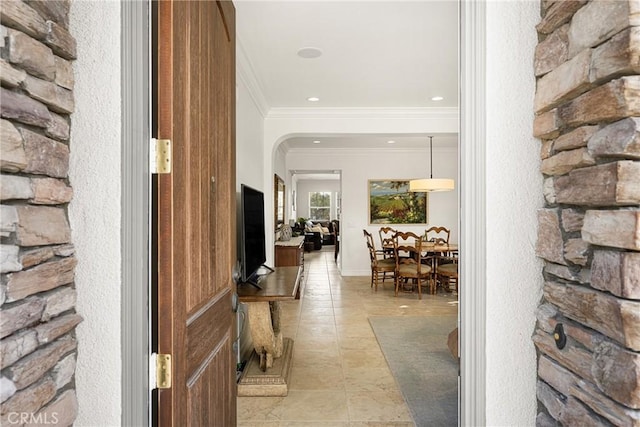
{"x":390,"y":202}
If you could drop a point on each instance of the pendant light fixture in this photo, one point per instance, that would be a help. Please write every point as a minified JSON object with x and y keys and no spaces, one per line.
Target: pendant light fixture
{"x":430,"y":184}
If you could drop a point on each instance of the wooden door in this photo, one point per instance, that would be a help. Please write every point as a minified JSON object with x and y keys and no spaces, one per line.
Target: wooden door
{"x":195,"y":230}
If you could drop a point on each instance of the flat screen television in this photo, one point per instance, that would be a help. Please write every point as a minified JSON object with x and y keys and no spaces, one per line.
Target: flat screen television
{"x":252,"y":234}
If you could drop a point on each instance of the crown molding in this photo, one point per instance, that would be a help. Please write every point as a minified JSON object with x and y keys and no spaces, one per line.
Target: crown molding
{"x":245,"y":72}
{"x":353,"y":113}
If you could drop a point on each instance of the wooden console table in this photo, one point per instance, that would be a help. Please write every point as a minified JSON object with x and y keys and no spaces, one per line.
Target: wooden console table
{"x":282,"y":284}
{"x":289,"y":252}
{"x":267,"y":372}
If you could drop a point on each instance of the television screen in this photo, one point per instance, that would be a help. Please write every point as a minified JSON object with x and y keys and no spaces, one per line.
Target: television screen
{"x":252,"y":238}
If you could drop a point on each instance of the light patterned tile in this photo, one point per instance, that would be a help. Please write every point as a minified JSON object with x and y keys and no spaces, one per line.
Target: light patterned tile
{"x":383,"y":424}
{"x":317,"y":329}
{"x":360,"y":329}
{"x":258,"y":424}
{"x":318,"y":357}
{"x":369,"y":379}
{"x":314,"y":424}
{"x":318,"y":377}
{"x":259,"y":408}
{"x":303,"y":342}
{"x":318,"y":320}
{"x":352,"y":318}
{"x":315,"y":302}
{"x":339,"y":376}
{"x":377,"y":406}
{"x":289,"y":331}
{"x":359,"y":343}
{"x":303,"y":405}
{"x":349,"y":311}
{"x":362,"y":359}
{"x":315,"y":312}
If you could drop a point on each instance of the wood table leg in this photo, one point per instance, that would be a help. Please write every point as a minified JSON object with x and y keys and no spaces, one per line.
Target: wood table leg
{"x":264,"y":325}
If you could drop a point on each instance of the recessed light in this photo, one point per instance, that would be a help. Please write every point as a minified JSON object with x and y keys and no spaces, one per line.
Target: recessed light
{"x":309,"y":52}
{"x":316,"y":142}
{"x":313,"y":99}
{"x":437,"y":98}
{"x":391,"y":142}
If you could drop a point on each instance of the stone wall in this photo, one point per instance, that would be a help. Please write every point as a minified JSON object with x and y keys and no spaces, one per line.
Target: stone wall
{"x":37,"y":293}
{"x":587,"y":115}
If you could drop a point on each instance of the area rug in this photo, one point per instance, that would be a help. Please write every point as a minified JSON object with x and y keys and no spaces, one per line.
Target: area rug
{"x":417,"y":354}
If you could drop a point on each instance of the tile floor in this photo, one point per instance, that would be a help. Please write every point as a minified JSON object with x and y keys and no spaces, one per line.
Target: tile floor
{"x":339,"y":376}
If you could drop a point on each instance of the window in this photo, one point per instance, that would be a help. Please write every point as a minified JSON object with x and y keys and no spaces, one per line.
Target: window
{"x":320,"y":205}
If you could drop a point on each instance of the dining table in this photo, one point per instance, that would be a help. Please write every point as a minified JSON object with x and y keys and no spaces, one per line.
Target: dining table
{"x":442,"y":248}
{"x":430,"y":248}
{"x":431,"y":251}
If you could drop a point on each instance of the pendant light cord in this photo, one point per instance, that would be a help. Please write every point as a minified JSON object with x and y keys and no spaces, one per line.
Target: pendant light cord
{"x":431,"y":156}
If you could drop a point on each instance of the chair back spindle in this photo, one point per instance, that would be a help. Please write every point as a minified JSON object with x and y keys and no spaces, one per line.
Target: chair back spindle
{"x":386,"y":240}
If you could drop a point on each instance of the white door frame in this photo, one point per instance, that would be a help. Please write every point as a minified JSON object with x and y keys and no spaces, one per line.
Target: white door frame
{"x":472,"y":213}
{"x":136,"y":214}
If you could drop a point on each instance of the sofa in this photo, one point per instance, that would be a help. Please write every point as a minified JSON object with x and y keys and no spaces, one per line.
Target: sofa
{"x":327,"y":230}
{"x":317,"y":231}
{"x":312,"y":241}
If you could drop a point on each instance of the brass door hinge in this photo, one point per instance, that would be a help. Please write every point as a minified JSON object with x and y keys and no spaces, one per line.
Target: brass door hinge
{"x":160,"y":155}
{"x":160,"y":371}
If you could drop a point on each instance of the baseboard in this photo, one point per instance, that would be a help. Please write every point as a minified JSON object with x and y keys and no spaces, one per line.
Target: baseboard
{"x":366,"y":272}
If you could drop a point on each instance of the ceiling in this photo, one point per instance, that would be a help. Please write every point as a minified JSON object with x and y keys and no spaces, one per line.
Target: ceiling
{"x":385,"y":55}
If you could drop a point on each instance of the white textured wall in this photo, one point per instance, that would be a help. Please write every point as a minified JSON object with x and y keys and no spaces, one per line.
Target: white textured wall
{"x":514,"y":192}
{"x":358,"y":167}
{"x":249,"y":158}
{"x":249,"y":134}
{"x":95,"y":210}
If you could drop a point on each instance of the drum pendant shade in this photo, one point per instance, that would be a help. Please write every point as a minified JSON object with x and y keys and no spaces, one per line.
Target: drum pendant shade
{"x":430,"y":184}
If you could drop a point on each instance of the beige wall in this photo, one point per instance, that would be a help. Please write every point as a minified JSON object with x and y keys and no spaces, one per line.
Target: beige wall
{"x":513,"y":188}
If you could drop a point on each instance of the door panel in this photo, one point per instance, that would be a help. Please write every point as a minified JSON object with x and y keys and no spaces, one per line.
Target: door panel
{"x":195,"y":215}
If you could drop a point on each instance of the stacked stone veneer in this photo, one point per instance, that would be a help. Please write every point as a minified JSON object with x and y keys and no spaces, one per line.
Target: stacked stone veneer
{"x":587,"y":115}
{"x":37,"y":294}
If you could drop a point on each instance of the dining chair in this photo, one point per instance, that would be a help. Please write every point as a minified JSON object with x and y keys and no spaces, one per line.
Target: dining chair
{"x":414,"y":266}
{"x":438,"y":234}
{"x":386,"y":243}
{"x":379,"y":264}
{"x":446,"y":272}
{"x":336,"y":239}
{"x":386,"y":240}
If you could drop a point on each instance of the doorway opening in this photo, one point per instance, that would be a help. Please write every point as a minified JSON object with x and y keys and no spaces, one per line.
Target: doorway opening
{"x":472,"y":219}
